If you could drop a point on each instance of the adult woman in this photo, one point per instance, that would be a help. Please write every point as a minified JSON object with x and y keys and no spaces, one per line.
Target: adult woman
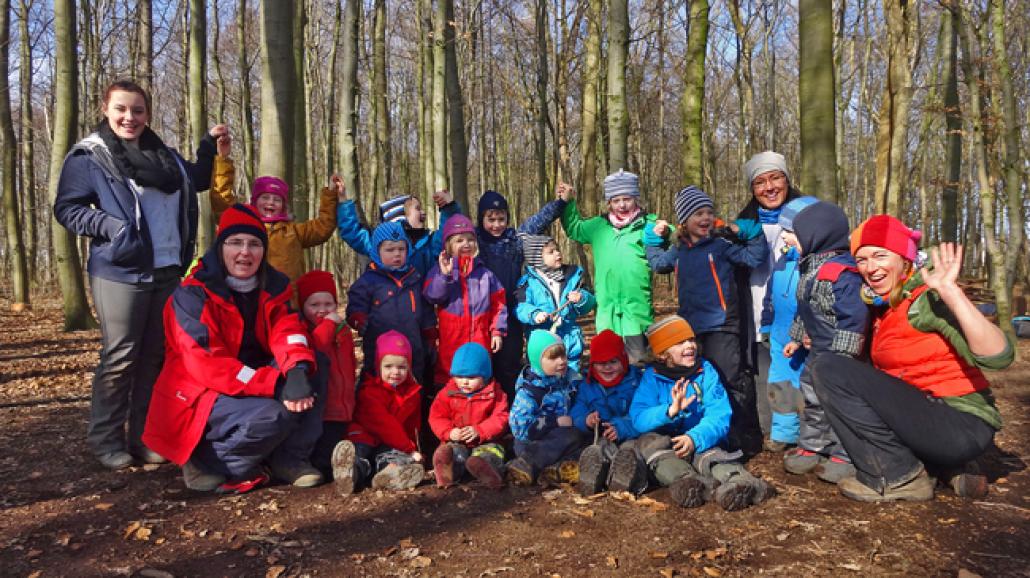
{"x":136,"y":200}
{"x":234,"y":391}
{"x":622,"y":277}
{"x":924,"y":399}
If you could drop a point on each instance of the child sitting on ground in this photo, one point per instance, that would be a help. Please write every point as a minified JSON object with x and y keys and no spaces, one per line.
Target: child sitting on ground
{"x":469,"y":416}
{"x":682,"y":411}
{"x":602,"y":411}
{"x":470,"y":302}
{"x":331,"y":337}
{"x":382,"y":440}
{"x":832,"y":315}
{"x":551,"y":295}
{"x":545,"y":437}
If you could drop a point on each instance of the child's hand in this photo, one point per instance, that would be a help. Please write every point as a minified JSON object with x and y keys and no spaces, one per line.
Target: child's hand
{"x":610,"y":433}
{"x":541,"y":317}
{"x":683,"y":446}
{"x":575,"y":296}
{"x":456,"y":433}
{"x":299,"y":405}
{"x":336,"y":182}
{"x":417,"y":456}
{"x":334,"y":317}
{"x":442,"y":197}
{"x":495,"y":343}
{"x":661,"y":228}
{"x":680,"y":401}
{"x":446,"y":264}
{"x":566,"y":192}
{"x":806,"y":342}
{"x":223,"y":140}
{"x":564,"y":421}
{"x":469,"y":434}
{"x":791,"y":348}
{"x":593,"y":419}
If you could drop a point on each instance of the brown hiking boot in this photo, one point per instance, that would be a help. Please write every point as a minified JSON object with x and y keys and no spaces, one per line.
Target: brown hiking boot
{"x":917,"y":489}
{"x":690,"y":492}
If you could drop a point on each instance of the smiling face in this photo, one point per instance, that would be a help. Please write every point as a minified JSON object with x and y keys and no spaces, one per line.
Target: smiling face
{"x":551,"y":255}
{"x":393,"y":254}
{"x":469,"y":384}
{"x":553,"y":361}
{"x":622,"y":205}
{"x":462,"y":245}
{"x":269,"y":205}
{"x":413,"y":213}
{"x":127,"y":114}
{"x":609,"y":370}
{"x":770,"y":189}
{"x":495,"y":222}
{"x":242,"y":254}
{"x":683,"y":354}
{"x":882,"y":269}
{"x":318,"y":305}
{"x":393,"y":369}
{"x":699,"y":223}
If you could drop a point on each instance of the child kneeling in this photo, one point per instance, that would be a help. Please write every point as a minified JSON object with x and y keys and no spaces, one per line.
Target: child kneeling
{"x":545,"y":437}
{"x":469,"y":416}
{"x":682,"y":406}
{"x":382,"y":442}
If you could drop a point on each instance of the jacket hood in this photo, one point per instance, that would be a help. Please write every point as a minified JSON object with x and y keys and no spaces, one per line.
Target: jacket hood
{"x":822,"y":227}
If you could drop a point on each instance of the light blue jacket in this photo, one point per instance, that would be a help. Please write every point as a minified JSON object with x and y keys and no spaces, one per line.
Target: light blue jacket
{"x":534,"y":297}
{"x":706,"y":420}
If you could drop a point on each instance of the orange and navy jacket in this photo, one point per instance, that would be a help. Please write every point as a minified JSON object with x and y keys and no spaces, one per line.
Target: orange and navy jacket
{"x":470,"y":306}
{"x":335,"y":342}
{"x":387,"y":415}
{"x":203,"y":334}
{"x":485,"y":409}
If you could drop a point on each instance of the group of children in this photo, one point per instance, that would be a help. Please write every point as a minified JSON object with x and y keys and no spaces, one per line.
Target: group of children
{"x":443,"y":315}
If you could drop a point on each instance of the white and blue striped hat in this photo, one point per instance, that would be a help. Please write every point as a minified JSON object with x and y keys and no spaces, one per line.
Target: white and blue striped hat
{"x":392,"y":210}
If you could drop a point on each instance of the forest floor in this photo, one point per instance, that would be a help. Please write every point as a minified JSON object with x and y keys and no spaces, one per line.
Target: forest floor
{"x":63,"y":514}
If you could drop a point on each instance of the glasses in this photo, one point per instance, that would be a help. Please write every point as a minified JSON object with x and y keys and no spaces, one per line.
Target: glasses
{"x":763,"y":180}
{"x":241,"y":244}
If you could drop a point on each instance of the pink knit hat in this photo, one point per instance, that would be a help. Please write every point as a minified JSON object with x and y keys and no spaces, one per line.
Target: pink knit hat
{"x":457,"y":225}
{"x":392,"y":343}
{"x":269,"y":185}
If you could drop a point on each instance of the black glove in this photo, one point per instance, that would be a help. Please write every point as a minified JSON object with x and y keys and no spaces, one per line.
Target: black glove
{"x":296,"y":386}
{"x":724,"y":233}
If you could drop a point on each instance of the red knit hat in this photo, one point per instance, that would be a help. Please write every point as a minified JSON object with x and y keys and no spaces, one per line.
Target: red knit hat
{"x":392,"y":343}
{"x":315,"y":281}
{"x":887,"y":232}
{"x":606,"y":346}
{"x":240,"y":219}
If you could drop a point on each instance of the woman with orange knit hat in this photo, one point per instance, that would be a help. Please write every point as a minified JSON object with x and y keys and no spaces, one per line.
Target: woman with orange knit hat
{"x":924,"y":400}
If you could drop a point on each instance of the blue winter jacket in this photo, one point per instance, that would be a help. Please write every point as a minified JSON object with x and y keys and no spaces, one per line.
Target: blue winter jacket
{"x":779,"y":308}
{"x":611,"y":403}
{"x":539,"y":402}
{"x":705,"y":275}
{"x":706,"y":420}
{"x":423,"y":251}
{"x":95,"y":200}
{"x":534,"y":297}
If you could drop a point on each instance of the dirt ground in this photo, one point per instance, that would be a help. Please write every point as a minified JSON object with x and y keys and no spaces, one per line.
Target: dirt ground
{"x":63,"y":514}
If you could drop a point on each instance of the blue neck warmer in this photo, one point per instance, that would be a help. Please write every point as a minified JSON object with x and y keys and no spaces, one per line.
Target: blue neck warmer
{"x":769,"y":216}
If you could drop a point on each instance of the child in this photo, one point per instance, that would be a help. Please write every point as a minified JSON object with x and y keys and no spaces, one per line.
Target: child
{"x":405,"y":210}
{"x":470,"y":301}
{"x":331,"y":337}
{"x":286,"y":238}
{"x":602,"y":406}
{"x":382,"y":439}
{"x":705,"y":267}
{"x":469,"y":416}
{"x":622,"y":279}
{"x":780,"y":305}
{"x":545,"y":436}
{"x":551,"y":294}
{"x":502,"y":253}
{"x":683,"y":413}
{"x":833,"y":316}
{"x":388,"y":296}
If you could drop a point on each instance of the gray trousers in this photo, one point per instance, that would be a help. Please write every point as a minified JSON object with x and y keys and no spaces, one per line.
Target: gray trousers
{"x":636,"y":349}
{"x":816,"y":433}
{"x":131,"y":355}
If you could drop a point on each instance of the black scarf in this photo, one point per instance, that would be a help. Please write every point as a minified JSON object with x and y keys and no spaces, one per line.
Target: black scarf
{"x":149,"y":165}
{"x":676,"y":373}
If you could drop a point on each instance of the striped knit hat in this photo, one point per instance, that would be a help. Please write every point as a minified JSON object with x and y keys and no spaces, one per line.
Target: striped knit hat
{"x":791,"y":210}
{"x":667,"y":332}
{"x":533,"y":252}
{"x":689,"y":200}
{"x":621,"y":183}
{"x":393,"y":209}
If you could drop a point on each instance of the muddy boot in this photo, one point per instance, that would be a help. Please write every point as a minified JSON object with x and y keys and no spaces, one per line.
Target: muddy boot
{"x":520,"y":473}
{"x":297,"y":474}
{"x":487,"y":469}
{"x":763,"y":491}
{"x":918,"y":488}
{"x":198,"y":480}
{"x":347,"y":468}
{"x":735,"y":494}
{"x":772,"y":446}
{"x":593,"y":470}
{"x":443,"y":465}
{"x":834,"y":470}
{"x":691,"y":491}
{"x":628,"y":473}
{"x":801,"y":461}
{"x":568,"y":471}
{"x":398,"y":477}
{"x":967,"y":481}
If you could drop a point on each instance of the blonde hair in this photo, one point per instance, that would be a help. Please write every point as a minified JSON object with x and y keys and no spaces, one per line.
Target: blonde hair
{"x":450,"y":242}
{"x":898,"y":293}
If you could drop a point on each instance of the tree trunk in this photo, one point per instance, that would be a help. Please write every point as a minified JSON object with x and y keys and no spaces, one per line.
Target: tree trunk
{"x":618,"y":51}
{"x":66,"y":254}
{"x":745,"y":82}
{"x":953,"y":129}
{"x":348,"y":134}
{"x":455,"y":110}
{"x":145,"y":37}
{"x":278,"y":80}
{"x":540,"y":126}
{"x":300,"y":189}
{"x":815,"y":91}
{"x":588,"y":181}
{"x":382,"y":167}
{"x":198,"y":103}
{"x":216,"y":60}
{"x":426,"y":95}
{"x":897,"y":96}
{"x":28,"y":139}
{"x":246,"y":107}
{"x":440,"y":177}
{"x":8,"y":164}
{"x":694,"y":93}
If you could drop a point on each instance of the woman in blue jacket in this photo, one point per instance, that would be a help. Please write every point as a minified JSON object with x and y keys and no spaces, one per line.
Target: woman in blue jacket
{"x":136,"y":200}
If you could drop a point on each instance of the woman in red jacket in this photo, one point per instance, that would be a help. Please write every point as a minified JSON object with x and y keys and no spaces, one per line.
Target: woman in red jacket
{"x":925,"y":398}
{"x":235,"y":390}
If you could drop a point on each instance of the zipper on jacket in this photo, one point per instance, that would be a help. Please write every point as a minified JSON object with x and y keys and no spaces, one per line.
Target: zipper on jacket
{"x":718,"y":285}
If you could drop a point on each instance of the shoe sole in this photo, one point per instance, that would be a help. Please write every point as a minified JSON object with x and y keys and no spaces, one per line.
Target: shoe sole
{"x":735,"y":496}
{"x":593,"y":470}
{"x":400,"y":478}
{"x":484,"y":472}
{"x":688,"y":492}
{"x":518,"y":477}
{"x":568,"y":472}
{"x":627,"y":473}
{"x":864,"y":494}
{"x":308,"y":480}
{"x":970,"y":485}
{"x":443,"y":467}
{"x":344,"y":455}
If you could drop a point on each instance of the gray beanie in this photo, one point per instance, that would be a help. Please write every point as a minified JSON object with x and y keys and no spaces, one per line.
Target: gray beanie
{"x":621,"y":183}
{"x":763,"y":163}
{"x":690,"y":200}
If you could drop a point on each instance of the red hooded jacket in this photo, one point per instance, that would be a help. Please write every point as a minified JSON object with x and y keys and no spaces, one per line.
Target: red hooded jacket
{"x":203,"y":334}
{"x":486,"y":410}
{"x":387,"y":415}
{"x":336,"y":342}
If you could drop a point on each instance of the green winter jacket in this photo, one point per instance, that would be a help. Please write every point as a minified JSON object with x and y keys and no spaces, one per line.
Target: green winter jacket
{"x":622,"y":277}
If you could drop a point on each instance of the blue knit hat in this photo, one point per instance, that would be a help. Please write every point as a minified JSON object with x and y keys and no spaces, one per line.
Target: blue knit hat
{"x":791,"y":210}
{"x":689,"y":200}
{"x":490,"y":201}
{"x":621,"y":183}
{"x":471,"y":360}
{"x":392,"y":210}
{"x":389,"y":231}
